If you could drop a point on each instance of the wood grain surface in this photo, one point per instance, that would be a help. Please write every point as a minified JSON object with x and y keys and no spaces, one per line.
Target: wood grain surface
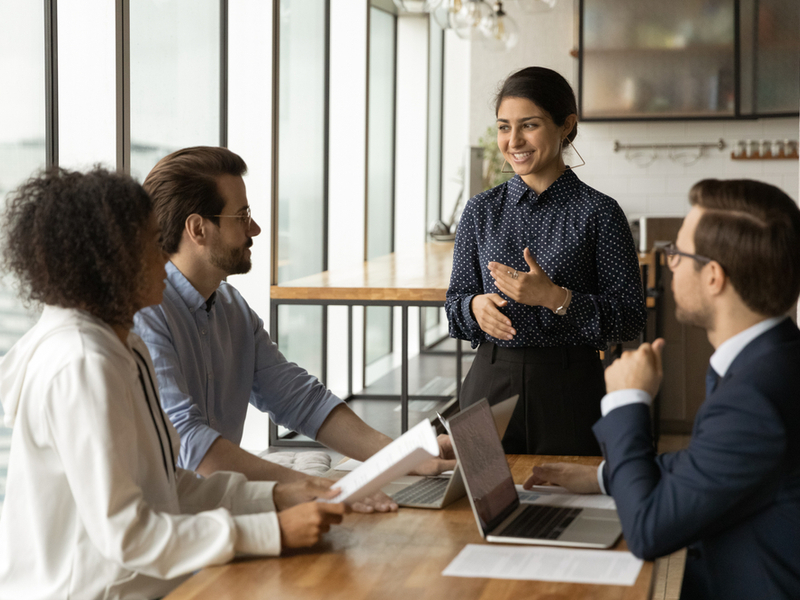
{"x":394,"y":556}
{"x":418,"y":274}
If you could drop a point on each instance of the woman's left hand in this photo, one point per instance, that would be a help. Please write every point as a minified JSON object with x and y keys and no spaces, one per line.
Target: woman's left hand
{"x":533,"y":288}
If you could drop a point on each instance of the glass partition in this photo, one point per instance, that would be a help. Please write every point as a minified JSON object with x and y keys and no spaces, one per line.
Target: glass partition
{"x":174,"y":79}
{"x":22,"y":130}
{"x":380,"y":170}
{"x":302,"y":170}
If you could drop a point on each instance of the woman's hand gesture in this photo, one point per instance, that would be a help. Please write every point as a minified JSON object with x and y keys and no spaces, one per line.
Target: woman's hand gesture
{"x":533,"y":288}
{"x":486,"y":310}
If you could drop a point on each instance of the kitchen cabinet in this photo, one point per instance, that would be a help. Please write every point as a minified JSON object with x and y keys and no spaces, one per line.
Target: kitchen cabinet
{"x":677,"y":59}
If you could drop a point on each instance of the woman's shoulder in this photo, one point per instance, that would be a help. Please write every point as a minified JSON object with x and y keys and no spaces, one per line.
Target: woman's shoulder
{"x":593,"y":200}
{"x":491,"y":197}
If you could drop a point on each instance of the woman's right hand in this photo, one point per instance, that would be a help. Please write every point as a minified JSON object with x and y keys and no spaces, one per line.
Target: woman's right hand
{"x":304,"y":524}
{"x":485,"y":309}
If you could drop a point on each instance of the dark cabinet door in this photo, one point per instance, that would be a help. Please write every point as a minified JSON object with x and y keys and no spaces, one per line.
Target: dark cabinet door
{"x":651,"y":59}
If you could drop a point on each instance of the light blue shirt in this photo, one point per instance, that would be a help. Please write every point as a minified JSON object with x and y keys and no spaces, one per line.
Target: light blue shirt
{"x":211,"y":363}
{"x":721,"y":360}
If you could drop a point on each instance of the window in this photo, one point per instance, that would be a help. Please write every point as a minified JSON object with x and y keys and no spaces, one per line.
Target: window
{"x":22,"y":129}
{"x":302,"y":170}
{"x":174,"y":78}
{"x":380,"y":172}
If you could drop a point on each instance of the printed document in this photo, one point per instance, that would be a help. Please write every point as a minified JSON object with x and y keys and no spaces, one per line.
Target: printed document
{"x":605,"y":567}
{"x":415,"y":446}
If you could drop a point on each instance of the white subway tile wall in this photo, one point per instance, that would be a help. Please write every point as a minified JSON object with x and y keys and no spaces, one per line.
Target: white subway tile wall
{"x":661,"y":187}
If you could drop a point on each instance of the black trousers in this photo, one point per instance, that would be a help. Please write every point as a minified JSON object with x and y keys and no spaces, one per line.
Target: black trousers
{"x":559,"y":396}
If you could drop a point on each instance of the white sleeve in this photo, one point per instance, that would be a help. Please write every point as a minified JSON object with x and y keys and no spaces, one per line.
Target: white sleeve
{"x":92,"y":417}
{"x":622,"y":398}
{"x":258,"y":530}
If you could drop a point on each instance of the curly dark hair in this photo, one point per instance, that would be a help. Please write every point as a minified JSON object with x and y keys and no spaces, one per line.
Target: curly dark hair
{"x":76,"y":240}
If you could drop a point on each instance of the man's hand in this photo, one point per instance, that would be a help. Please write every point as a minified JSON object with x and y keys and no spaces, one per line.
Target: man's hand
{"x":446,"y":460}
{"x":378,"y":502}
{"x":490,"y":319}
{"x":638,"y":369}
{"x":579,"y":479}
{"x":533,"y":288}
{"x":302,"y":525}
{"x":287,"y":495}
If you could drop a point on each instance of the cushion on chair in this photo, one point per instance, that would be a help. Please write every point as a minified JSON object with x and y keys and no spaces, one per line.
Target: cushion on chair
{"x":311,"y":462}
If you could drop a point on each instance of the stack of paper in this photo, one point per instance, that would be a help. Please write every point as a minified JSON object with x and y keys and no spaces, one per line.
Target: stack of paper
{"x":415,"y":446}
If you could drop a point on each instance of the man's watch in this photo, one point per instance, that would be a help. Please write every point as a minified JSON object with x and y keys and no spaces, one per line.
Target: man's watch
{"x":562,"y":310}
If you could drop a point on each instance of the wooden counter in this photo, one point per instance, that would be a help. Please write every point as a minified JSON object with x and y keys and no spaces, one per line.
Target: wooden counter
{"x":394,"y":556}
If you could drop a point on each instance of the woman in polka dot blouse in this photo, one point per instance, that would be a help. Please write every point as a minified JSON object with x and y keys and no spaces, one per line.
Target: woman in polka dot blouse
{"x":545,"y":275}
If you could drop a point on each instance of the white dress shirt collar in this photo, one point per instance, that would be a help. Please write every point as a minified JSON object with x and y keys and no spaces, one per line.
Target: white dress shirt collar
{"x":728,"y":350}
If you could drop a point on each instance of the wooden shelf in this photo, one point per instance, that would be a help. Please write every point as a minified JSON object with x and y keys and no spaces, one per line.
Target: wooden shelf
{"x":793,"y":156}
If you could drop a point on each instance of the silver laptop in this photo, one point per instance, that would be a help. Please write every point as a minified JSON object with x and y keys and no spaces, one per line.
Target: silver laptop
{"x":441,"y":490}
{"x":500,"y":515}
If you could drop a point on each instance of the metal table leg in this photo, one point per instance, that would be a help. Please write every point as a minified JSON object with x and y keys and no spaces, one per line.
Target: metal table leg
{"x":404,"y":372}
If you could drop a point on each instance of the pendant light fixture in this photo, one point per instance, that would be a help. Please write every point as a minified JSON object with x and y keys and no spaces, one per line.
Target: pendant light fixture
{"x":466,"y":21}
{"x":500,"y":31}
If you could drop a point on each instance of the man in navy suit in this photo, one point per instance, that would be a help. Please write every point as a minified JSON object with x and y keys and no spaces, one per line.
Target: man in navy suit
{"x":733,"y":496}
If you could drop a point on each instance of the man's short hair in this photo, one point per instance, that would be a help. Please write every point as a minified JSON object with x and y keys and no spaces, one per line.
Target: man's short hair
{"x":185,"y":183}
{"x":76,"y":240}
{"x":752,"y":229}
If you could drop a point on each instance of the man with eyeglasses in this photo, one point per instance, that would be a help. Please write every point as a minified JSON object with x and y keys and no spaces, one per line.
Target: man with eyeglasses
{"x":733,"y":496}
{"x":210,"y":350}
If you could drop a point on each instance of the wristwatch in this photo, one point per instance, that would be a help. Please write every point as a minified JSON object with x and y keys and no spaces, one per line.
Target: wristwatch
{"x":562,"y":310}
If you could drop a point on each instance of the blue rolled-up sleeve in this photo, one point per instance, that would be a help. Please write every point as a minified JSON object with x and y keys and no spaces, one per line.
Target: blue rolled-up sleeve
{"x":291,"y":395}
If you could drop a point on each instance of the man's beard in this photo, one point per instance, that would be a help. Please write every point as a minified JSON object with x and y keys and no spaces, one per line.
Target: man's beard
{"x":234,"y":261}
{"x":699,"y":318}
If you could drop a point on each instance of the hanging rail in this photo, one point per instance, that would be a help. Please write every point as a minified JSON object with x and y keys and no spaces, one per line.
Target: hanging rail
{"x":720,"y":145}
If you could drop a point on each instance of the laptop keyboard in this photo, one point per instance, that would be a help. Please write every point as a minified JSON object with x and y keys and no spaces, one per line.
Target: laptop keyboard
{"x":542,"y":522}
{"x":424,"y":491}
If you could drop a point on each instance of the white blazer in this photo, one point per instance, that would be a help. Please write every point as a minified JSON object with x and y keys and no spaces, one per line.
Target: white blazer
{"x":95,"y":507}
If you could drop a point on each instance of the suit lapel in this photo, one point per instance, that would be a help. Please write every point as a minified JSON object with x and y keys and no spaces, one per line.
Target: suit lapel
{"x":784,"y":332}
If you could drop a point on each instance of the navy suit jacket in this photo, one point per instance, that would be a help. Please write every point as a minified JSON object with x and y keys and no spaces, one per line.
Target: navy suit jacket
{"x":733,"y":496}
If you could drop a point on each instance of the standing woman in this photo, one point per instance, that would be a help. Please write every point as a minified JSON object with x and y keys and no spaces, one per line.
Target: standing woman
{"x":545,"y":275}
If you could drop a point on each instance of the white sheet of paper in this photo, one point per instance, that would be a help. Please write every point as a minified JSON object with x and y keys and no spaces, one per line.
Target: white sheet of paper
{"x":395,"y":460}
{"x":605,"y":567}
{"x":558,"y":496}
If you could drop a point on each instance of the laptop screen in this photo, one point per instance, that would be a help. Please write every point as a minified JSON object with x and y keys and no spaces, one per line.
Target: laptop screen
{"x":483,"y":464}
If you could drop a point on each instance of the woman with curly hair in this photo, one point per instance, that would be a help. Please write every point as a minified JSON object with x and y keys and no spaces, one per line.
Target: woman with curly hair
{"x":95,"y":506}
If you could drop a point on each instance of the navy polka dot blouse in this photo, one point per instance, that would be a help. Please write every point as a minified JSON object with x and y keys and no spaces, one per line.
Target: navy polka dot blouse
{"x":579,"y":237}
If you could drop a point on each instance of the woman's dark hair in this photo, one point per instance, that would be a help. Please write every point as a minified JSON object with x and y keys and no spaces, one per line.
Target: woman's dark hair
{"x":76,"y":240}
{"x":752,"y":229}
{"x":185,"y":183}
{"x":546,"y":89}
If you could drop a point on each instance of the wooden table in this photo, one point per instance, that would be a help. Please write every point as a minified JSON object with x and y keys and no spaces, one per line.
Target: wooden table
{"x":414,"y":277}
{"x":394,"y":556}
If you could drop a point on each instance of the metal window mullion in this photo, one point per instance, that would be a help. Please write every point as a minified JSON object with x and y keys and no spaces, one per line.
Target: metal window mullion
{"x":275,"y":142}
{"x":326,"y":180}
{"x":123,"y":75}
{"x":223,"y":73}
{"x":51,"y":82}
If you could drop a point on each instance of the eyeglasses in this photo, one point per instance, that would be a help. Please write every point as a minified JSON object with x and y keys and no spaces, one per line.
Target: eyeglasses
{"x":245,"y":218}
{"x":674,"y":256}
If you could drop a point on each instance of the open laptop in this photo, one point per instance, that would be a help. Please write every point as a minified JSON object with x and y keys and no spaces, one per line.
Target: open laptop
{"x":500,"y":515}
{"x":441,"y":490}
